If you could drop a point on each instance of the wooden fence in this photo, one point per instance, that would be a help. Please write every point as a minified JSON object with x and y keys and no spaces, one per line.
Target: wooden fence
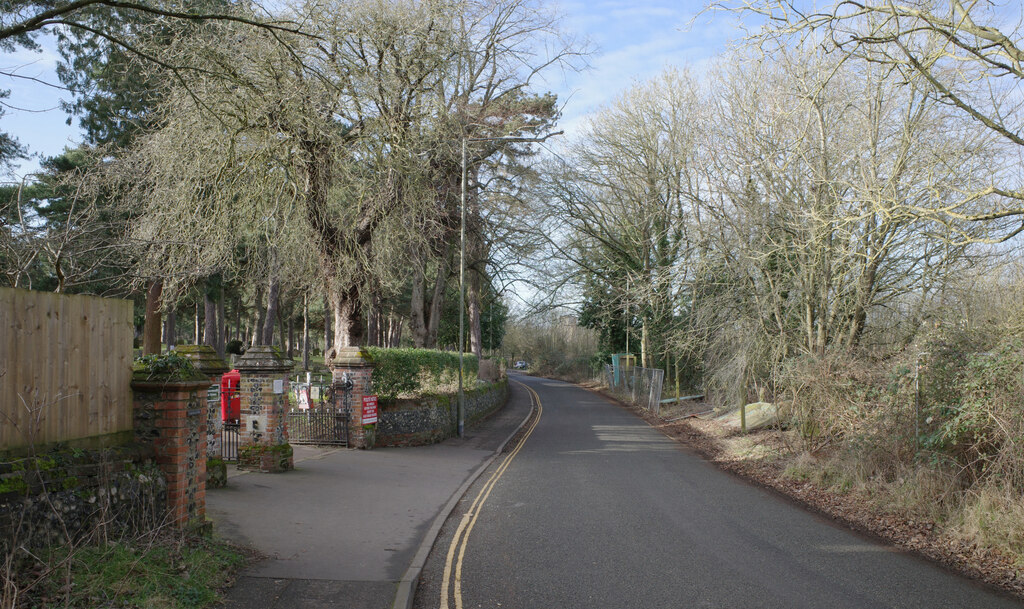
{"x":65,"y":367}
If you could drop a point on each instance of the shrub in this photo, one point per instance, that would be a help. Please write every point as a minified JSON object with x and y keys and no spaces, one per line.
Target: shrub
{"x":404,"y":371}
{"x":978,"y":423}
{"x":827,"y":399}
{"x":166,"y":367}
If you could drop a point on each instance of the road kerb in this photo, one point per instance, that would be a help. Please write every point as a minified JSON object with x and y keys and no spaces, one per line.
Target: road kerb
{"x":407,"y":586}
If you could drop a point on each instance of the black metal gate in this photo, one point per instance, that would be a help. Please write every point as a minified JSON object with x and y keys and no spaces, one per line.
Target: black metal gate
{"x":229,"y":440}
{"x":325,"y":426}
{"x":324,"y":423}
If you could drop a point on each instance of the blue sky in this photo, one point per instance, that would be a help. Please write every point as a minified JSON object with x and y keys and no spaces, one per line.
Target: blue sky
{"x":634,"y":41}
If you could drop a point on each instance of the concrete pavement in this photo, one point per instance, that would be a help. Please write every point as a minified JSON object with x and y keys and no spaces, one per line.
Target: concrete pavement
{"x":343,"y":529}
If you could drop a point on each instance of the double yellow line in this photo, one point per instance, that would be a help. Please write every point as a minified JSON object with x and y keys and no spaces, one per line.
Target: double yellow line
{"x":458,"y":546}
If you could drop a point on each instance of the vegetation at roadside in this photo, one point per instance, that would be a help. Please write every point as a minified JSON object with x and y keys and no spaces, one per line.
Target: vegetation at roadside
{"x":833,"y":227}
{"x":402,"y":372}
{"x":933,"y":432}
{"x":156,"y":572}
{"x":556,"y":346}
{"x":165,"y":367}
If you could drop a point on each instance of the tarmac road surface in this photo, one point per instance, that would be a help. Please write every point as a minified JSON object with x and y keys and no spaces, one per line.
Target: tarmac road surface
{"x":597,"y":509}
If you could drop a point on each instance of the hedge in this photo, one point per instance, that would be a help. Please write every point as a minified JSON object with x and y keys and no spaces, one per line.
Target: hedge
{"x":402,"y":371}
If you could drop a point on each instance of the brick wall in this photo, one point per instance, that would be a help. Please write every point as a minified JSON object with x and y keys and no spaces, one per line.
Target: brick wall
{"x":433,"y":419}
{"x":172,"y":418}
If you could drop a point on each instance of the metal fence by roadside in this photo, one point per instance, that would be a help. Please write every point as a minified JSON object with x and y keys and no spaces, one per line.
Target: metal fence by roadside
{"x":636,"y":385}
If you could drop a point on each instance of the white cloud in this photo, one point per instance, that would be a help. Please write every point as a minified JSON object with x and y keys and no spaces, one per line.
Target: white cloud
{"x":638,"y":41}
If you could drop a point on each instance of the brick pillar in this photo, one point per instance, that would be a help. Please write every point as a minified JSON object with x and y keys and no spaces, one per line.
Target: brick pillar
{"x":206,"y":360}
{"x":357,"y":365}
{"x":263,"y":389}
{"x":171,"y":416}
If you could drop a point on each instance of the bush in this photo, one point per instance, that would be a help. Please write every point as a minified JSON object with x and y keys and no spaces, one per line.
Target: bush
{"x":970,"y":421}
{"x":829,"y":399}
{"x":166,"y":367}
{"x":405,"y":371}
{"x":976,"y":420}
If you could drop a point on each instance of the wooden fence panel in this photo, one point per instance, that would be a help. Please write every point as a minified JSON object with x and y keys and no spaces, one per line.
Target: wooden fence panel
{"x":65,"y":367}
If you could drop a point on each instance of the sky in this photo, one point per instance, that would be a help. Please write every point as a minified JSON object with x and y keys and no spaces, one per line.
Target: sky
{"x":633,"y":41}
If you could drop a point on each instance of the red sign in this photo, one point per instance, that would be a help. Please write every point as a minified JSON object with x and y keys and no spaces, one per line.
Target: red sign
{"x":369,"y":409}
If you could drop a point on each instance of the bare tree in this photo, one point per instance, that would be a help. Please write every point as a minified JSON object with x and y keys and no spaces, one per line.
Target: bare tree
{"x":966,"y":56}
{"x":769,"y":214}
{"x":624,"y":203}
{"x":333,"y":144}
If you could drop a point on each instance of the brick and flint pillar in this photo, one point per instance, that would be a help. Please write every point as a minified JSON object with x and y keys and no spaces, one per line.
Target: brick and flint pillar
{"x":356,"y":365}
{"x":171,"y":416}
{"x":206,"y":360}
{"x":263,"y":390}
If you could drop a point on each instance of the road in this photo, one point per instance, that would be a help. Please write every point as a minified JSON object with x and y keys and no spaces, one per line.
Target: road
{"x":597,"y":509}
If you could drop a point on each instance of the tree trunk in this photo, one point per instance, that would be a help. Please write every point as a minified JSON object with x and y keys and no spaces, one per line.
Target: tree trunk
{"x":305,"y":331}
{"x":865,"y":294}
{"x":328,"y":333}
{"x":417,"y":304}
{"x":437,"y":301}
{"x":238,"y":316}
{"x":291,"y":334}
{"x":170,"y":330}
{"x":395,"y":325}
{"x":373,"y":323}
{"x":210,"y":325}
{"x":645,"y":344}
{"x":261,"y":317}
{"x":282,"y":334}
{"x":475,"y":330}
{"x":151,"y":328}
{"x":348,"y":318}
{"x":221,"y":329}
{"x":271,"y":315}
{"x":197,"y":326}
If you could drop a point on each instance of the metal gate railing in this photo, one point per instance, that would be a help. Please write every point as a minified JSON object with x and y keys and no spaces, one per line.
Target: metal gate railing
{"x":318,"y":426}
{"x":639,"y":386}
{"x":229,"y":440}
{"x":319,"y":419}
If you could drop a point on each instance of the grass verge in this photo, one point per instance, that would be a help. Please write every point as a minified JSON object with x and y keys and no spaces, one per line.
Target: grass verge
{"x":159,"y":572}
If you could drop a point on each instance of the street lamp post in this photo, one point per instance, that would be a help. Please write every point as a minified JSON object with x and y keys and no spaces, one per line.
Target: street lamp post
{"x":462,"y":296}
{"x":462,"y":261}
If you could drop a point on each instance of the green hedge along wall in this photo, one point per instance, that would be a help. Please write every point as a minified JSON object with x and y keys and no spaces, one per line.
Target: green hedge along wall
{"x":403,"y":371}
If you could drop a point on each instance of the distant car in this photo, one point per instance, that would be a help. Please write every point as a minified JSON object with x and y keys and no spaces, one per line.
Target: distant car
{"x":520,"y":365}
